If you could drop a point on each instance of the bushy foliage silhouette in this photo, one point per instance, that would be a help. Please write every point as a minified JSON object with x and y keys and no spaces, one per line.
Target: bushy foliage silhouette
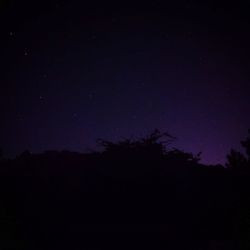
{"x":238,"y":160}
{"x":239,"y":164}
{"x":246,"y":145}
{"x":155,"y":143}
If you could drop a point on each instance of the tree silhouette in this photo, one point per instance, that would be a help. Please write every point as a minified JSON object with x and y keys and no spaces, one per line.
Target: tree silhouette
{"x":155,"y":143}
{"x":236,"y":159}
{"x":246,"y":145}
{"x":240,"y":164}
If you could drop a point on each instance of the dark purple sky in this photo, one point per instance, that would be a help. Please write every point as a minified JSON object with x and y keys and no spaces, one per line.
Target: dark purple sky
{"x":73,"y":72}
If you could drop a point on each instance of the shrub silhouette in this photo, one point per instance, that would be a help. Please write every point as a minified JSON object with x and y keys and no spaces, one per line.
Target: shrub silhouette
{"x":246,"y":145}
{"x":154,"y":144}
{"x":239,"y":163}
{"x":237,"y":160}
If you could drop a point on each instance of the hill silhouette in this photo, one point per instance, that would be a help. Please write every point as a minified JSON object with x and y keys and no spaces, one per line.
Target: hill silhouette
{"x":134,"y":194}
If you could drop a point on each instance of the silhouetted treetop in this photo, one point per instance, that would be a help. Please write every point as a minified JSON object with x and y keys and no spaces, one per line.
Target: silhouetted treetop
{"x":246,"y":145}
{"x":238,"y":160}
{"x":155,"y":143}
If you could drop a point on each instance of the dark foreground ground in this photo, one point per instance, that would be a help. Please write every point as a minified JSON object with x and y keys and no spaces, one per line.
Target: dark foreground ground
{"x":122,"y":201}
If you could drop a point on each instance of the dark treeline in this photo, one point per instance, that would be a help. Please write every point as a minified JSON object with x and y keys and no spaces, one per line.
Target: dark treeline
{"x":135,"y":194}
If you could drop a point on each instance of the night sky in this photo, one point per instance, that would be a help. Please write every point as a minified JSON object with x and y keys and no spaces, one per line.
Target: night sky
{"x":72,"y":72}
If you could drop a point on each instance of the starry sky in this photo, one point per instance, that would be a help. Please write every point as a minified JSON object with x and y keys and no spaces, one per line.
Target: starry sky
{"x":76,"y":71}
